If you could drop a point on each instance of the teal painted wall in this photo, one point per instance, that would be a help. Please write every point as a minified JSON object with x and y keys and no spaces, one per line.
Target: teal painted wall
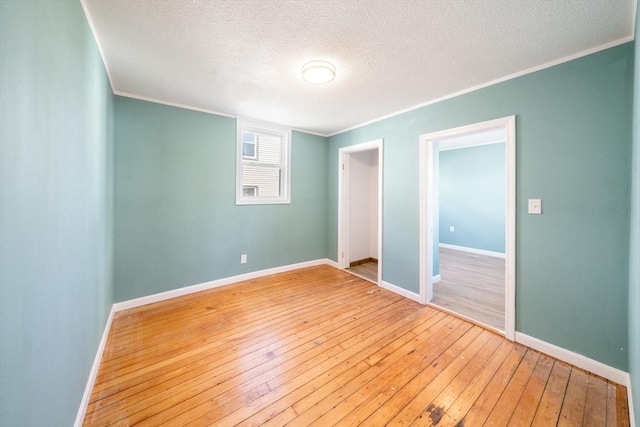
{"x":176,"y":222}
{"x":472,"y":197}
{"x":634,"y":255}
{"x":55,"y":210}
{"x":573,"y":151}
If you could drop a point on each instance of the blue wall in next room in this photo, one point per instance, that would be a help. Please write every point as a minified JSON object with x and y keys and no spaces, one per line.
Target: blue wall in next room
{"x":472,"y":197}
{"x":55,"y":212}
{"x":176,"y":221}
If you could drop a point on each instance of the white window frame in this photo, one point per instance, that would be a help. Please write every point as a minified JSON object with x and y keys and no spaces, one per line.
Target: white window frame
{"x":257,"y":127}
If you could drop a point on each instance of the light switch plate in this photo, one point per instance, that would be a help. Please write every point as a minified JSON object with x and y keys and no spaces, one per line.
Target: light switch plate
{"x":535,"y":206}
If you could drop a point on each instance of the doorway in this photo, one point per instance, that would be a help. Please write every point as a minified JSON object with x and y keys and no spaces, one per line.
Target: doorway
{"x":360,"y":210}
{"x":491,"y":257}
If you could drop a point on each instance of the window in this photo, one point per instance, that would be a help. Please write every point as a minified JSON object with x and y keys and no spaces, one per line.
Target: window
{"x":263,"y":160}
{"x":249,"y":191}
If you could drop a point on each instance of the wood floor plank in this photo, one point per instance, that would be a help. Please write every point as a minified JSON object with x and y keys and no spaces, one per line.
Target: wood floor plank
{"x":320,"y":346}
{"x":511,"y":395}
{"x":572,"y":411}
{"x":550,"y":404}
{"x":528,"y":404}
{"x":484,"y":404}
{"x":429,"y":383}
{"x":622,"y":406}
{"x":595,"y":408}
{"x":435,"y":412}
{"x":506,"y":355}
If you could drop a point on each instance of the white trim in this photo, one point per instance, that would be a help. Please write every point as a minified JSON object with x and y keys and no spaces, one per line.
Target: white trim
{"x":473,"y":250}
{"x":84,"y":403}
{"x":494,"y":82}
{"x":426,"y":154}
{"x":331,"y":263}
{"x":92,"y":27}
{"x":436,"y":278}
{"x":400,"y":291}
{"x":149,"y":299}
{"x":583,"y":362}
{"x":344,"y":159}
{"x":171,"y":104}
{"x":510,"y":230}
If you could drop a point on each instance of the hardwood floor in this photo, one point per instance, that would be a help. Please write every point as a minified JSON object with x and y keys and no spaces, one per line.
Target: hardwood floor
{"x":471,"y":285}
{"x":321,"y":347}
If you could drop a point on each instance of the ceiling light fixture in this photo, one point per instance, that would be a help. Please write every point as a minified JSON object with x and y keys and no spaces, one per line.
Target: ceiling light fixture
{"x":318,"y":72}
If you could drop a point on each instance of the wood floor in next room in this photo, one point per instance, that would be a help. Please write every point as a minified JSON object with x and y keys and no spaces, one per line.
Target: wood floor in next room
{"x":471,"y":285}
{"x":319,"y":346}
{"x":368,"y":270}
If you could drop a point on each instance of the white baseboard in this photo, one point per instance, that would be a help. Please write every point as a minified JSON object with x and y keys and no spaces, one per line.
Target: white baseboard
{"x":331,"y":262}
{"x":94,"y":371}
{"x":400,"y":291}
{"x":472,"y":250}
{"x":593,"y":366}
{"x":137,"y":302}
{"x":436,"y":278}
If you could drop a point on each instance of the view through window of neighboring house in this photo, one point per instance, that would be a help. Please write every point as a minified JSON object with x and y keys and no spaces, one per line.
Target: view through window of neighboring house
{"x":263,"y":163}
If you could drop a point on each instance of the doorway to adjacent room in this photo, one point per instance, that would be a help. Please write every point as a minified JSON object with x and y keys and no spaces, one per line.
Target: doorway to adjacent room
{"x":467,"y":222}
{"x":360,"y":210}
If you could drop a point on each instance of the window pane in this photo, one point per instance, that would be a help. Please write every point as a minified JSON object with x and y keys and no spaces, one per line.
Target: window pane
{"x":249,"y":191}
{"x":249,"y":137}
{"x":270,"y":149}
{"x":248,"y":150}
{"x":265,"y":179}
{"x":249,"y":145}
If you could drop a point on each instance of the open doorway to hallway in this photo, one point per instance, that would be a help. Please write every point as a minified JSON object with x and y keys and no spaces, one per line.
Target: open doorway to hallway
{"x":360,"y":210}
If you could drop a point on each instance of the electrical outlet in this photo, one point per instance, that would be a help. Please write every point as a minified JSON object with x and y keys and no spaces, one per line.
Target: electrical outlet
{"x":243,"y":259}
{"x":451,"y":228}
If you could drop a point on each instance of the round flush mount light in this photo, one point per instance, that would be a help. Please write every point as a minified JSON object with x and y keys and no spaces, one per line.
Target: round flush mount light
{"x":318,"y":72}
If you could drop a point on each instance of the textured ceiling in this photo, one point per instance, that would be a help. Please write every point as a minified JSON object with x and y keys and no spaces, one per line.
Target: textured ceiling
{"x":243,"y":57}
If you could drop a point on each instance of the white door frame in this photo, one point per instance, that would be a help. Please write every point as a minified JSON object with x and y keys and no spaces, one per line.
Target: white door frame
{"x":344,"y":157}
{"x":427,"y":214}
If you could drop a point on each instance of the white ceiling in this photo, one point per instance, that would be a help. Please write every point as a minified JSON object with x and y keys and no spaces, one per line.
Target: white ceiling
{"x":243,"y":57}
